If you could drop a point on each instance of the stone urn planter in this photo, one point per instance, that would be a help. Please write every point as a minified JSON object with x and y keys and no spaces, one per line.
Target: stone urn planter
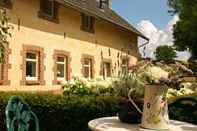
{"x":156,"y":83}
{"x":155,"y":110}
{"x":127,"y":112}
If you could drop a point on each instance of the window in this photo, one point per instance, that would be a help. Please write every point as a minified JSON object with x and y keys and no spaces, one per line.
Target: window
{"x":1,"y":71}
{"x":106,"y":70}
{"x":31,"y":66}
{"x":47,"y":7}
{"x":124,"y":65}
{"x":4,"y":67}
{"x":6,"y":3}
{"x":87,"y":68}
{"x":3,"y":2}
{"x":48,"y":10}
{"x":103,"y":3}
{"x":61,"y":65}
{"x":87,"y":23}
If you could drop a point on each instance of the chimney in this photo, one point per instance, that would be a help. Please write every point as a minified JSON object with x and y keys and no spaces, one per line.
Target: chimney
{"x":110,"y":4}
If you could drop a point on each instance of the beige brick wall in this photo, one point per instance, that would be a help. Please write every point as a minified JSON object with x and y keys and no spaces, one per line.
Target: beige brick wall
{"x":50,"y":36}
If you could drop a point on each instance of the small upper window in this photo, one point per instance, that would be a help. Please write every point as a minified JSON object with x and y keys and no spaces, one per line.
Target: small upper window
{"x":6,"y":3}
{"x":103,"y":3}
{"x":48,"y":9}
{"x":87,"y":23}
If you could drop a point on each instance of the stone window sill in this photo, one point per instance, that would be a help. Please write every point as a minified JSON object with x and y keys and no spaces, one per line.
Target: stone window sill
{"x":88,"y":30}
{"x":32,"y":82}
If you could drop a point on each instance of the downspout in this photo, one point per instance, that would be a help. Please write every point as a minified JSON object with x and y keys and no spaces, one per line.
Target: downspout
{"x":143,"y":45}
{"x":146,"y":43}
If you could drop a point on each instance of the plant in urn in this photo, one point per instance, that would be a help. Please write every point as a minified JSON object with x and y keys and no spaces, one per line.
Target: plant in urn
{"x":155,"y":109}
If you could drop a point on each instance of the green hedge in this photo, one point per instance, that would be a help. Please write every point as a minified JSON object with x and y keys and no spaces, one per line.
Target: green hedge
{"x":184,"y":109}
{"x":61,"y":113}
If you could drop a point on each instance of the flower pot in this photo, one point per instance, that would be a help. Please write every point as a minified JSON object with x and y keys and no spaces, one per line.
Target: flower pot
{"x":127,"y":112}
{"x":155,"y":110}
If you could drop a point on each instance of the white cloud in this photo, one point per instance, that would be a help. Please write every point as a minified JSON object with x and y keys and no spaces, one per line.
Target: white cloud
{"x":158,"y":37}
{"x":183,"y":55}
{"x":172,"y":22}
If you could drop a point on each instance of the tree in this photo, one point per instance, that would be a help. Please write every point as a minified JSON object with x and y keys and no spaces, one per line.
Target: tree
{"x":185,"y":31}
{"x":4,"y":33}
{"x":166,"y":53}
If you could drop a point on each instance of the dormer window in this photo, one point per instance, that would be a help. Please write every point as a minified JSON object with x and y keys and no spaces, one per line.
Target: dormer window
{"x":6,"y":3}
{"x":103,"y":3}
{"x":87,"y":23}
{"x":48,"y":9}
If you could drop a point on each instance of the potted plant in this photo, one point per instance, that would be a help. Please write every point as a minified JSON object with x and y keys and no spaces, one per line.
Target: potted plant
{"x":157,"y":82}
{"x":155,"y":111}
{"x":126,"y":82}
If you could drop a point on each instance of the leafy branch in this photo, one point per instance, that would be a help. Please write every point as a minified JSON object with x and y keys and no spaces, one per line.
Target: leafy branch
{"x":4,"y":33}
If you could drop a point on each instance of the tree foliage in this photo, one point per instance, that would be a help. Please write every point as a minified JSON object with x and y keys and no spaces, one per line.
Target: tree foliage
{"x":4,"y":32}
{"x":185,"y":31}
{"x":166,"y":53}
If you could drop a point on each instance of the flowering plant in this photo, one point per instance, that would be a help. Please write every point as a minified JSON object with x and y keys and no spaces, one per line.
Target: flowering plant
{"x":159,"y":73}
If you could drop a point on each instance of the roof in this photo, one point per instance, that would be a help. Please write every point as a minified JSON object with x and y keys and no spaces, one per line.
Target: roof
{"x":91,"y":7}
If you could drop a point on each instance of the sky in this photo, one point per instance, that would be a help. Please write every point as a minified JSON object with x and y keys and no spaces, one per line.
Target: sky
{"x":136,"y":10}
{"x":151,"y":17}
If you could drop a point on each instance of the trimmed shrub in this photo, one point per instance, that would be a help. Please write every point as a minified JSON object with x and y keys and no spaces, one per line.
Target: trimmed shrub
{"x":72,"y":113}
{"x":61,"y":113}
{"x":165,"y":53}
{"x":184,"y":109}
